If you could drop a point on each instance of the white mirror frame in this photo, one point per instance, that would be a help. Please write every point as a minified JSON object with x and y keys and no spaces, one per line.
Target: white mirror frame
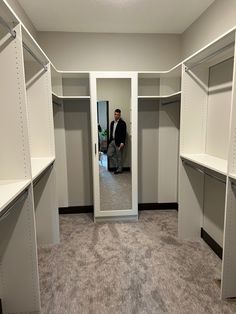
{"x":131,"y":213}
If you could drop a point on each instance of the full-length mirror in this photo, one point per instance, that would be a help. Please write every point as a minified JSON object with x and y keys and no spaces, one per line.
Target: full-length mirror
{"x":114,"y":143}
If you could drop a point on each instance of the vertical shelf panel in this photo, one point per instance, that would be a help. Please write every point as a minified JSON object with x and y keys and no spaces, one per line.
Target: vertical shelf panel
{"x":18,"y":259}
{"x":61,"y":153}
{"x":228,"y":286}
{"x":46,"y":209}
{"x":15,"y":152}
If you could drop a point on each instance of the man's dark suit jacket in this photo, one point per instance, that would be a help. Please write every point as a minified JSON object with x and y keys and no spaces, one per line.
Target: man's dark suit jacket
{"x":120,"y":133}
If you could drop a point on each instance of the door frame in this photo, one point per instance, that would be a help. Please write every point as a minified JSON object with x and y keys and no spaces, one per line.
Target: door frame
{"x":107,"y":115}
{"x":134,"y":146}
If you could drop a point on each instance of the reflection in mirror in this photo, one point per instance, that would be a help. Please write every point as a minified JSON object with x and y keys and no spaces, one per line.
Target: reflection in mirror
{"x":114,"y":129}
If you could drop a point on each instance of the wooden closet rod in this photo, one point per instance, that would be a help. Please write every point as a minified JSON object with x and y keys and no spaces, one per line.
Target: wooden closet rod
{"x":203,"y":172}
{"x":34,"y":56}
{"x":213,"y":54}
{"x":8,"y":209}
{"x":4,"y":24}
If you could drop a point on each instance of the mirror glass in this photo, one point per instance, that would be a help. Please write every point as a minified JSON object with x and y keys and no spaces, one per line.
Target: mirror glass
{"x":114,"y":132}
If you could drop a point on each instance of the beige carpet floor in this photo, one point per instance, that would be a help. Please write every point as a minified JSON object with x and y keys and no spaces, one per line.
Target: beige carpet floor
{"x":131,"y":268}
{"x":115,"y":190}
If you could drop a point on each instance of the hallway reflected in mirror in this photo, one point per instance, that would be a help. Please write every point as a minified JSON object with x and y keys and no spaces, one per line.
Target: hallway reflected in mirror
{"x":114,"y":138}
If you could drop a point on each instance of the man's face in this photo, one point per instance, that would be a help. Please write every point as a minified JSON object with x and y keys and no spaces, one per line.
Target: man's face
{"x":117,"y":115}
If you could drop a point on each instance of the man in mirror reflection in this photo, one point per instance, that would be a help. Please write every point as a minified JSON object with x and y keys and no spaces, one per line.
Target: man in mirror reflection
{"x":117,"y":141}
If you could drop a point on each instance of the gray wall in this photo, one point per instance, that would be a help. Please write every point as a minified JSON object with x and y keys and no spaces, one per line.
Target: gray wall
{"x":94,"y":51}
{"x":216,"y":20}
{"x":78,"y":152}
{"x":148,"y":143}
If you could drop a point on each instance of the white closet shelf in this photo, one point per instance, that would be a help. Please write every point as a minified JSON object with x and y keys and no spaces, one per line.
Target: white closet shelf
{"x":162,"y":97}
{"x":211,"y":162}
{"x":38,"y":165}
{"x":10,"y":189}
{"x":70,"y":97}
{"x":232,"y":176}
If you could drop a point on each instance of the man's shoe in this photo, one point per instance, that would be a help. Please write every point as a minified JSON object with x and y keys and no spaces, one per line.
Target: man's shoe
{"x":117,"y":172}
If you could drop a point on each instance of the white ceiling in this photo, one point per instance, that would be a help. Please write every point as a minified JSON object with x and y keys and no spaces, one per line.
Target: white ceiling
{"x":114,"y":16}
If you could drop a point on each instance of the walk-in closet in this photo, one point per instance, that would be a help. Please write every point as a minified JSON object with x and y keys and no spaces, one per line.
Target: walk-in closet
{"x":147,"y":225}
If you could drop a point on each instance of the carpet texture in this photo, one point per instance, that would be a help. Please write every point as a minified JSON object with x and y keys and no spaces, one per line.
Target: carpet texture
{"x":115,"y":190}
{"x":131,"y":268}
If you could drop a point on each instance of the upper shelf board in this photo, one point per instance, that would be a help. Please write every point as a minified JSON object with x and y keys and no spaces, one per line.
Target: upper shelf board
{"x":213,"y":163}
{"x":39,"y":165}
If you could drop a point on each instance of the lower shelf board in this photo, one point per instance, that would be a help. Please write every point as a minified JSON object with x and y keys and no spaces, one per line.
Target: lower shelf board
{"x":212,"y":243}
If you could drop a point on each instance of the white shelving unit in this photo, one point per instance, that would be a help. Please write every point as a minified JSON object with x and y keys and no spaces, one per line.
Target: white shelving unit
{"x":229,"y":240}
{"x":207,"y":144}
{"x":18,"y":248}
{"x":159,"y":95}
{"x":41,"y":135}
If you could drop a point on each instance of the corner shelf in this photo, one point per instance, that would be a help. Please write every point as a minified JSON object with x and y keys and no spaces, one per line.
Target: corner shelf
{"x":10,"y":189}
{"x":213,"y":163}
